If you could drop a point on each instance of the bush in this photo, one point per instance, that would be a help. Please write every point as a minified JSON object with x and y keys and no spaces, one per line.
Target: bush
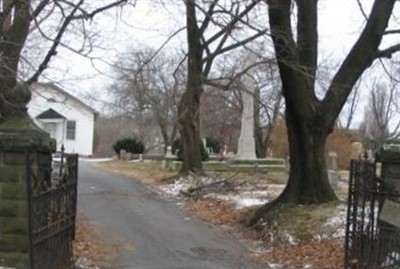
{"x":131,"y":145}
{"x":214,"y":144}
{"x":177,"y":149}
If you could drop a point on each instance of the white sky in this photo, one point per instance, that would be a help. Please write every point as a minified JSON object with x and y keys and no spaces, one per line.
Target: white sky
{"x":148,"y":24}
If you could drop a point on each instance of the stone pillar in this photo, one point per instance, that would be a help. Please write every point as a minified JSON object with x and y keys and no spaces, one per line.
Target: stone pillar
{"x":20,"y":138}
{"x":246,"y":145}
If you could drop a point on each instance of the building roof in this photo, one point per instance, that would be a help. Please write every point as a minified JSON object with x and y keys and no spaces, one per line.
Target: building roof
{"x":50,"y":114}
{"x":38,"y":85}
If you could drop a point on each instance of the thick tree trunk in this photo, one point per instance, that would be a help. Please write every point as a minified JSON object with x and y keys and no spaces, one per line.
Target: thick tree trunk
{"x":189,"y":120}
{"x":308,"y":178}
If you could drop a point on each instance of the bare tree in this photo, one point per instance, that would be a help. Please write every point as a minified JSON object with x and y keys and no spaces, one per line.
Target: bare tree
{"x":311,"y":119}
{"x":145,"y":85}
{"x":381,"y":118}
{"x":220,"y":111}
{"x":51,"y":20}
{"x":210,"y":32}
{"x":269,"y":105}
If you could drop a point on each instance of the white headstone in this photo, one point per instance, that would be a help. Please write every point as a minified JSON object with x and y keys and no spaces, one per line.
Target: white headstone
{"x":246,"y":145}
{"x":356,"y":150}
{"x":169,"y":153}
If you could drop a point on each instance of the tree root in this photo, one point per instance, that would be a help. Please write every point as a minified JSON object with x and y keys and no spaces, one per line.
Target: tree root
{"x":264,"y":210}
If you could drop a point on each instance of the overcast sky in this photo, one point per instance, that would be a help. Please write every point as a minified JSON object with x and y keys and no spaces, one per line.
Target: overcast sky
{"x":148,"y":24}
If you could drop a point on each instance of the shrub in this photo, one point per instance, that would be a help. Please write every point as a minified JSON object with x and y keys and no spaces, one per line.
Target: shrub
{"x":177,"y":149}
{"x":214,"y":144}
{"x":131,"y":145}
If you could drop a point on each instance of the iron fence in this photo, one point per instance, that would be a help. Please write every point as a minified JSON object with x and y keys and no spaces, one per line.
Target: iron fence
{"x":372,"y":233}
{"x":52,"y":211}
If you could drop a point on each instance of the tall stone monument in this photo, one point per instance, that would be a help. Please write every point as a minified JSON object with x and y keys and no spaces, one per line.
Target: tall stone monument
{"x":246,"y":145}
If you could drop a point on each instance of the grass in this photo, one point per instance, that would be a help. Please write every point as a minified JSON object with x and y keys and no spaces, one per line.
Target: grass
{"x":147,"y":172}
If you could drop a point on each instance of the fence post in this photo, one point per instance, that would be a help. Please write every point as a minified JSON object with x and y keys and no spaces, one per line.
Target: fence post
{"x":22,"y":144}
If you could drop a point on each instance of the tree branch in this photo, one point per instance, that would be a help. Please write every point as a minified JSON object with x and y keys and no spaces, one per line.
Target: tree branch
{"x":387,"y":53}
{"x":359,"y":58}
{"x":52,"y":50}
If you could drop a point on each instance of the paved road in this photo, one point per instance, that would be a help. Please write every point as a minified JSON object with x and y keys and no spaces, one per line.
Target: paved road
{"x":163,"y":235}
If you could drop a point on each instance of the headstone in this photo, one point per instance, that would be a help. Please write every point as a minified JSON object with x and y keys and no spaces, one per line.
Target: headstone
{"x":169,"y":159}
{"x":140,"y":157}
{"x":246,"y":145}
{"x":332,"y":161}
{"x":356,"y":150}
{"x":122,"y":154}
{"x":169,"y":153}
{"x":225,"y":151}
{"x":334,"y":178}
{"x":370,"y":155}
{"x":128,"y":156}
{"x":333,"y":174}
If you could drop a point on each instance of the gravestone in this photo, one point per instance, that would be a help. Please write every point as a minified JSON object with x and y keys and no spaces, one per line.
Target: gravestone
{"x":169,"y":158}
{"x":333,"y":173}
{"x":122,"y":154}
{"x":356,"y":150}
{"x":169,"y":153}
{"x":246,"y":144}
{"x":389,"y":215}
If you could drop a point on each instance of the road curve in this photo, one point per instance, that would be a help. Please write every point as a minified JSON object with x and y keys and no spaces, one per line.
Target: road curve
{"x":162,"y":233}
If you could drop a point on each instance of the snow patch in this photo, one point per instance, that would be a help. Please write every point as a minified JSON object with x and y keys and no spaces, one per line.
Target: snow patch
{"x":95,"y":160}
{"x":337,"y":223}
{"x":83,"y":263}
{"x":174,"y":188}
{"x":248,"y":202}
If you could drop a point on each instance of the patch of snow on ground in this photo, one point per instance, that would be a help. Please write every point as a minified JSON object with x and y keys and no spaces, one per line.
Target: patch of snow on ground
{"x":244,"y":199}
{"x":174,"y":188}
{"x":248,"y":202}
{"x":83,"y":263}
{"x":337,"y":223}
{"x":95,"y":160}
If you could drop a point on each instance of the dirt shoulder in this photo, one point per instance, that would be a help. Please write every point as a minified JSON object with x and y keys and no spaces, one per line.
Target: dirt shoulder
{"x":293,"y":237}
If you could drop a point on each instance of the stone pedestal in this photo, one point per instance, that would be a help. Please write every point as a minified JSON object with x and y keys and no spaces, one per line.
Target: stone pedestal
{"x":23,"y":148}
{"x":169,"y":159}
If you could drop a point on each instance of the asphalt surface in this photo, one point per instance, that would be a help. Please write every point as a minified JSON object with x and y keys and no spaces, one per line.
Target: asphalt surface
{"x":163,"y":235}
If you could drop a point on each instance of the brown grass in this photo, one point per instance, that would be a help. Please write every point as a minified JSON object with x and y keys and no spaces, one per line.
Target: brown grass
{"x":146,"y":172}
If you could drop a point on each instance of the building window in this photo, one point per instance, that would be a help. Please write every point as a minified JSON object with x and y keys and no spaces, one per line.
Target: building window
{"x":71,"y":129}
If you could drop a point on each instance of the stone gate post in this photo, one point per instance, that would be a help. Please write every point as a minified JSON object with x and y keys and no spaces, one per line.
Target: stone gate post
{"x":23,"y":148}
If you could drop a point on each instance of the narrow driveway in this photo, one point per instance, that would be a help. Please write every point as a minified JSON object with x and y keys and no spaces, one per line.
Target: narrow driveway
{"x":163,"y":235}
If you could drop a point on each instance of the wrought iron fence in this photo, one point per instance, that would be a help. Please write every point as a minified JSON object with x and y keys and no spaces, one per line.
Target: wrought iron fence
{"x":372,"y":233}
{"x":52,"y":207}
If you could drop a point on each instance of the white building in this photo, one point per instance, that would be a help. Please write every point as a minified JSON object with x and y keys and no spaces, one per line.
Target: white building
{"x":67,"y":119}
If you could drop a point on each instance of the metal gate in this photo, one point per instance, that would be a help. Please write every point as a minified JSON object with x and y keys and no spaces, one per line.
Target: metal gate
{"x":372,"y":231}
{"x":52,"y":211}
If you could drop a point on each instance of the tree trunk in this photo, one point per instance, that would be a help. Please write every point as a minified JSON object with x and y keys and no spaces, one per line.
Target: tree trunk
{"x":189,"y":120}
{"x":189,"y":106}
{"x":308,"y":178}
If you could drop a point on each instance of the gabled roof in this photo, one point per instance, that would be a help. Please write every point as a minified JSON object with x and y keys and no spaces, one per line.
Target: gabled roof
{"x":38,"y":85}
{"x":50,"y":114}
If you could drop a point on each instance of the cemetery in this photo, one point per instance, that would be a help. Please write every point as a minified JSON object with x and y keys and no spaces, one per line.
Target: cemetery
{"x":199,"y":134}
